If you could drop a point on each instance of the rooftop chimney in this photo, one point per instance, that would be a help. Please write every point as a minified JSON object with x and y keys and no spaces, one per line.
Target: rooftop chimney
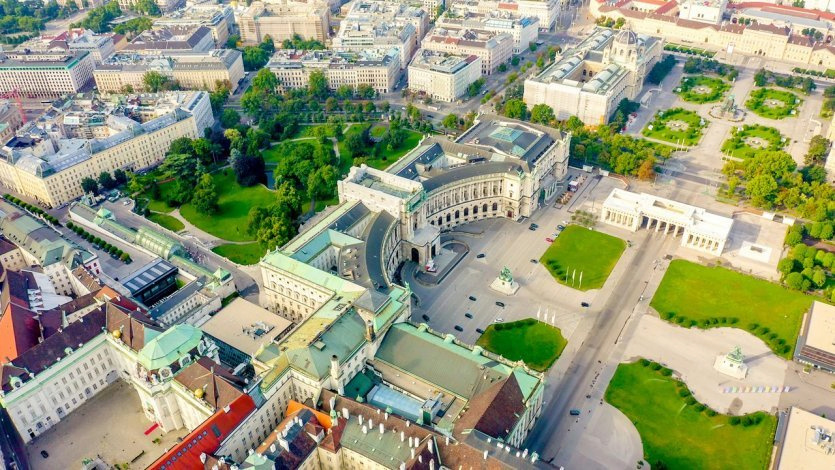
{"x":345,"y":413}
{"x":382,"y":428}
{"x":413,"y":452}
{"x":402,"y":436}
{"x":365,"y":429}
{"x":429,"y":445}
{"x":485,"y":455}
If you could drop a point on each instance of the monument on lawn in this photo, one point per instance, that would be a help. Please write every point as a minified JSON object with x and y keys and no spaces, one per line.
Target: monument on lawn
{"x":732,"y":364}
{"x":505,"y":283}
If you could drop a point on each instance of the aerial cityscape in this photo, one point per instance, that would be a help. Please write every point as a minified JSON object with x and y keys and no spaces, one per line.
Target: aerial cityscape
{"x":417,"y":234}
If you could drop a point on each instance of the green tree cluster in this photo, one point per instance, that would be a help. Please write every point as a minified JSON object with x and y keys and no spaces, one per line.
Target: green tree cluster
{"x":297,"y":42}
{"x":134,"y":26}
{"x":661,"y":69}
{"x":31,"y":16}
{"x":99,"y":18}
{"x":764,"y":77}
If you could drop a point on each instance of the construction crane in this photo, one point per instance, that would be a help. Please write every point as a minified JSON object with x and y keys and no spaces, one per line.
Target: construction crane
{"x":15,"y":95}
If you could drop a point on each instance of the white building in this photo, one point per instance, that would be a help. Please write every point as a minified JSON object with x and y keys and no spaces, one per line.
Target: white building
{"x":816,"y":344}
{"x":218,"y":18}
{"x":46,"y":74}
{"x":805,"y":441}
{"x":591,"y":79}
{"x":523,"y":29}
{"x":547,"y":11}
{"x":703,"y":11}
{"x":491,"y":47}
{"x":444,"y":77}
{"x":699,"y":229}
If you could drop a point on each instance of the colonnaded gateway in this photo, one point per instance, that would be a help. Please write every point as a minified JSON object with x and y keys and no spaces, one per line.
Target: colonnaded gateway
{"x":699,"y":229}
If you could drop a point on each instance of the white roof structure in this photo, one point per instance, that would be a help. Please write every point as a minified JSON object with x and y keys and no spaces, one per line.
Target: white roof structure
{"x":807,"y":442}
{"x":246,"y":326}
{"x":693,"y":218}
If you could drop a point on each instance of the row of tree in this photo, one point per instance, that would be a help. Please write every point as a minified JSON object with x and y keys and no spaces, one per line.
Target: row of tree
{"x":765,"y":77}
{"x":32,"y":209}
{"x":703,"y":65}
{"x":105,"y":181}
{"x":114,"y":251}
{"x":31,"y":16}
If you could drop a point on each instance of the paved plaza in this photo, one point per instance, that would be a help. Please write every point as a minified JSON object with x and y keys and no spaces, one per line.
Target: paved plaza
{"x":116,"y":434}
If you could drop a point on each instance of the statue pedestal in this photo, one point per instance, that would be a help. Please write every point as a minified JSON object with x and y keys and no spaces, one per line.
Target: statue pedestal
{"x":506,"y":288}
{"x":730,"y":367}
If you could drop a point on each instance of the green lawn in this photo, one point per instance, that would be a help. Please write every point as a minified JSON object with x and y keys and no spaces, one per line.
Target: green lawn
{"x":249,"y":253}
{"x":536,"y":343}
{"x":661,"y":127}
{"x":678,"y":432}
{"x":387,"y":158}
{"x":159,"y":205}
{"x":694,"y":295}
{"x":737,"y":146}
{"x":234,"y":203}
{"x":757,"y":103}
{"x":702,"y":89}
{"x":171,"y":223}
{"x":580,"y":250}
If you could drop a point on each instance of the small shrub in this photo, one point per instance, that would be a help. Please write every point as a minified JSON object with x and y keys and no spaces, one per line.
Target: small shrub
{"x":644,"y":362}
{"x":753,"y":326}
{"x":735,"y":420}
{"x":710,"y":412}
{"x":684,"y":393}
{"x":691,"y":401}
{"x":700,"y":407}
{"x":656,"y":366}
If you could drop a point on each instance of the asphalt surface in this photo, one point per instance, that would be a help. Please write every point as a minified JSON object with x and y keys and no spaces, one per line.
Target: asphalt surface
{"x":14,"y":452}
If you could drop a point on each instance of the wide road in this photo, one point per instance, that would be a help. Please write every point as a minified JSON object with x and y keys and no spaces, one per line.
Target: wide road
{"x":604,"y":323}
{"x":14,"y":453}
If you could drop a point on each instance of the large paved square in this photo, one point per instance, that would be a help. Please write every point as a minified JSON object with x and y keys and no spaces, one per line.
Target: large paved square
{"x":111,"y":425}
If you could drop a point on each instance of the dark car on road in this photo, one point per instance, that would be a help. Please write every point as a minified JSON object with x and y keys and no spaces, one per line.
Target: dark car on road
{"x":479,"y":331}
{"x":574,"y":412}
{"x":500,"y":304}
{"x":584,"y":304}
{"x":533,"y":227}
{"x":425,"y":317}
{"x":468,"y":315}
{"x":458,"y":328}
{"x":560,"y":227}
{"x":44,"y":454}
{"x":480,"y":255}
{"x":471,"y":298}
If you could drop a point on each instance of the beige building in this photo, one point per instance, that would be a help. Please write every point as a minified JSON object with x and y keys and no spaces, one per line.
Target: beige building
{"x":524,"y":29}
{"x":492,"y":48}
{"x":172,"y":40}
{"x":282,"y":20}
{"x":193,"y":71}
{"x":46,"y":163}
{"x":815,"y":345}
{"x":807,"y":441}
{"x":763,"y":40}
{"x":217,"y":17}
{"x":546,"y":10}
{"x":444,"y":77}
{"x":589,"y":80}
{"x":382,"y":24}
{"x":378,"y":68}
{"x":45,"y":74}
{"x":11,"y":119}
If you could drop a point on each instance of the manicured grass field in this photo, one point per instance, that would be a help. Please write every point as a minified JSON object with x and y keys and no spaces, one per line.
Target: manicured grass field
{"x":694,"y":295}
{"x":661,"y":127}
{"x":234,"y":201}
{"x":757,"y":103}
{"x":678,"y":432}
{"x":579,"y":249}
{"x":167,"y":221}
{"x":536,"y":343}
{"x":738,"y":147}
{"x":689,"y":89}
{"x":249,"y":253}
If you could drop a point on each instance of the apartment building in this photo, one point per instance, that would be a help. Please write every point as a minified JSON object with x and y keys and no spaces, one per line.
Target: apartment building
{"x":218,"y":18}
{"x":43,"y":162}
{"x":492,"y":48}
{"x":11,"y":118}
{"x":45,"y":74}
{"x":282,"y":20}
{"x":382,"y":24}
{"x":524,"y":30}
{"x":443,"y":77}
{"x":193,"y":71}
{"x":172,"y":40}
{"x":165,"y":6}
{"x":378,"y":68}
{"x":546,"y":10}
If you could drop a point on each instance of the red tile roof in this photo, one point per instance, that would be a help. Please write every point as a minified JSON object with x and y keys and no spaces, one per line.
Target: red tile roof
{"x":19,"y":332}
{"x":218,"y":389}
{"x":206,"y":438}
{"x":494,"y":411}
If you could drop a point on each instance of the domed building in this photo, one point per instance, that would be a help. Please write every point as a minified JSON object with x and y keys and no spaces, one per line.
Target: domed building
{"x":589,"y":80}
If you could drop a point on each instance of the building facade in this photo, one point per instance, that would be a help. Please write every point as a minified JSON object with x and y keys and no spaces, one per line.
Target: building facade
{"x":814,"y":345}
{"x":524,"y":30}
{"x":699,"y":229}
{"x":492,"y":48}
{"x":44,"y":163}
{"x":283,"y":20}
{"x":382,"y":25}
{"x":217,"y":17}
{"x":441,"y":76}
{"x":193,"y":71}
{"x":591,"y":79}
{"x":379,"y":69}
{"x":46,"y":74}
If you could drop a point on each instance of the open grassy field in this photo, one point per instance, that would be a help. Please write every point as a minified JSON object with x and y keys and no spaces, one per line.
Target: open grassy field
{"x":580,"y":250}
{"x":694,"y":295}
{"x":167,"y":221}
{"x":702,"y":89}
{"x":536,"y":343}
{"x":246,"y":254}
{"x":680,"y":433}
{"x":234,"y":203}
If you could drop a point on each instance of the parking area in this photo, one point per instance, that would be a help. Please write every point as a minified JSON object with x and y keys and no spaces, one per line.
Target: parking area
{"x":111,"y":426}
